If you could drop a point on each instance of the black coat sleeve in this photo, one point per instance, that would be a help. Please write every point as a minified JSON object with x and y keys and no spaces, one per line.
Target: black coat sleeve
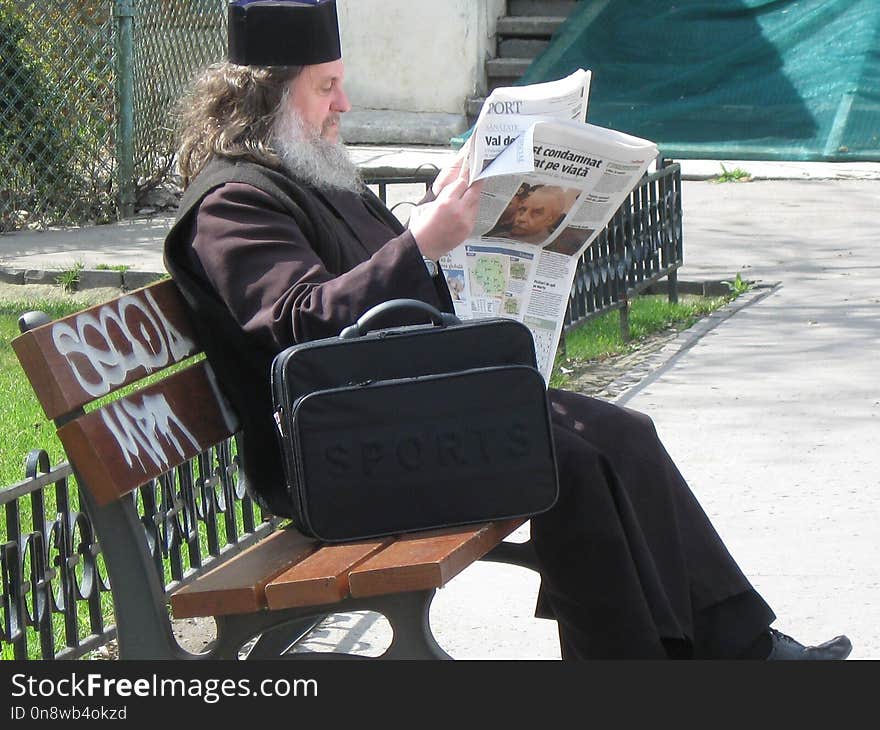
{"x":277,"y":288}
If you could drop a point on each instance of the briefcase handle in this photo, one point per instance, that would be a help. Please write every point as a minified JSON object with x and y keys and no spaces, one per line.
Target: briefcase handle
{"x":368,"y":318}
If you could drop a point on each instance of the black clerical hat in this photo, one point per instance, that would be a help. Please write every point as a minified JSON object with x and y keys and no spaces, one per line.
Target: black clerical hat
{"x":283,"y":32}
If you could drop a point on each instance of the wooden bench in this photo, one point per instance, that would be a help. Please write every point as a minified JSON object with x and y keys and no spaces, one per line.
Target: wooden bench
{"x":277,"y":589}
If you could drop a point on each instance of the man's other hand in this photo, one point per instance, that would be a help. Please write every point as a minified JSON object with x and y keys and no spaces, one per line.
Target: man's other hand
{"x":451,"y":172}
{"x":442,"y":224}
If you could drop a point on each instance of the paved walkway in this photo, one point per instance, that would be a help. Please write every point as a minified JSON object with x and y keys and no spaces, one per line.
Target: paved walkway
{"x":774,"y":416}
{"x":771,"y":409}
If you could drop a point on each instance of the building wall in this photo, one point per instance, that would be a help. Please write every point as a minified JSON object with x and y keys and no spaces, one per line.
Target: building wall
{"x":411,"y":65}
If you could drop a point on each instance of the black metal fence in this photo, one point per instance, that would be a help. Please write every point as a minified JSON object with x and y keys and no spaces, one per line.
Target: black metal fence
{"x":640,"y":245}
{"x":55,"y":593}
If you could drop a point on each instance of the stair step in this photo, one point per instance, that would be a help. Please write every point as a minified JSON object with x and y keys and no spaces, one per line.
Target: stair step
{"x":541,"y":7}
{"x":522,"y":48}
{"x":508,"y":68}
{"x":529,"y":27}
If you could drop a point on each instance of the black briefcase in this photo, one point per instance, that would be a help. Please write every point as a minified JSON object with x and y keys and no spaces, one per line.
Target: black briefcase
{"x":415,"y":427}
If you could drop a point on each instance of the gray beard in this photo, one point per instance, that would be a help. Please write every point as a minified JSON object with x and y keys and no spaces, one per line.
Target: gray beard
{"x":310,"y":158}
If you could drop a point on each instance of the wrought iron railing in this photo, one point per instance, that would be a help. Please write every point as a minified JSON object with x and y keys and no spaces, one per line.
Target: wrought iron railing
{"x":640,"y":245}
{"x":55,"y":596}
{"x":55,"y":593}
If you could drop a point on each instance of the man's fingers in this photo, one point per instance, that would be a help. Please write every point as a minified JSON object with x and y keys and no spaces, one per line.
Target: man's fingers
{"x":450,"y":172}
{"x":472,"y":194}
{"x":460,"y":187}
{"x":455,"y":189}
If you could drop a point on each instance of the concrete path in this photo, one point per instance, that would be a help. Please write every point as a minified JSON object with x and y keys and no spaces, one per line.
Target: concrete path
{"x":774,"y":415}
{"x":771,"y":409}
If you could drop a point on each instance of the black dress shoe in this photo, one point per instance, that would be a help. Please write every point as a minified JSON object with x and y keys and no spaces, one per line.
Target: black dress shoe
{"x":785,"y":648}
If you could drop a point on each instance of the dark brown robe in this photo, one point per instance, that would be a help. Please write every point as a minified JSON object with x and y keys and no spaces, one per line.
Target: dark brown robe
{"x":630,"y":564}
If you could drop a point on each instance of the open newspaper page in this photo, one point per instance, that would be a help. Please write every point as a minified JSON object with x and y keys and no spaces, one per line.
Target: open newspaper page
{"x":510,"y":110}
{"x":546,"y":197}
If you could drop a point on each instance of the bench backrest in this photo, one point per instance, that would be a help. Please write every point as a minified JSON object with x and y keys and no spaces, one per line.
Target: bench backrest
{"x":82,"y":358}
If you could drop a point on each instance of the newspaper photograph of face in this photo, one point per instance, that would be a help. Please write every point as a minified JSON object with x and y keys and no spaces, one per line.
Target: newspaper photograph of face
{"x":533,"y":213}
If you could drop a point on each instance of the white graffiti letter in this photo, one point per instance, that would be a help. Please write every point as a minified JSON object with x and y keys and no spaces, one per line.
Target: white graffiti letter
{"x":142,"y":431}
{"x":180,"y":345}
{"x":152,"y":344}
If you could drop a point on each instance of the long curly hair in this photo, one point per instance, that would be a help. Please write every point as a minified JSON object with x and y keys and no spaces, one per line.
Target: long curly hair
{"x":230,"y":111}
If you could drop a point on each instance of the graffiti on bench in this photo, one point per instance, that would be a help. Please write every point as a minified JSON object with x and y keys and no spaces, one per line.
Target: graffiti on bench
{"x":144,"y":428}
{"x":104,"y":346}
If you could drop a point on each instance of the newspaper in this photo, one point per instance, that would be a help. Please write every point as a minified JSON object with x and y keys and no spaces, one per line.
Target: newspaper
{"x":548,"y":192}
{"x":510,"y":110}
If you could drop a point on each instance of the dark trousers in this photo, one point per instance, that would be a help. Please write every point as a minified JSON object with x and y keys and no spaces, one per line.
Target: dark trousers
{"x":631,"y":566}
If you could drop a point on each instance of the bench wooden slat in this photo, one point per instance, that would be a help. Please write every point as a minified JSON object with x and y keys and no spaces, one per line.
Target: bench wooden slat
{"x":288,"y":570}
{"x":120,"y":446}
{"x":322,"y":577}
{"x":427,"y":559}
{"x":238,"y":586}
{"x":74,"y":360}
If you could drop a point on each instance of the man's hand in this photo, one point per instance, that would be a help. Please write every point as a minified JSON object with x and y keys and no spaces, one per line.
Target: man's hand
{"x":441,"y":225}
{"x":451,"y":173}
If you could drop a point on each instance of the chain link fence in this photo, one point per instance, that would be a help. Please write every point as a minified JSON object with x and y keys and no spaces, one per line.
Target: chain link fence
{"x":86,"y":90}
{"x":172,"y":39}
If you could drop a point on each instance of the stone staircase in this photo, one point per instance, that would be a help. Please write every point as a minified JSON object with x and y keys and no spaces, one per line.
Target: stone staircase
{"x":522,"y":35}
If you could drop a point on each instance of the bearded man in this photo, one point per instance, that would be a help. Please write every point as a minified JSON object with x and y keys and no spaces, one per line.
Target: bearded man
{"x":278,"y":242}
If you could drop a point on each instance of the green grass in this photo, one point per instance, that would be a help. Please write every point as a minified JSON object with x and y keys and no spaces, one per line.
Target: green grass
{"x":737,"y":286}
{"x":112,"y":267}
{"x":735,"y":175}
{"x":69,"y":278}
{"x":24,"y":425}
{"x":601,"y":337}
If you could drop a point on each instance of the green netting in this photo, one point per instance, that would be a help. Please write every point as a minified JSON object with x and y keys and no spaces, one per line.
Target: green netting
{"x":730,"y":79}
